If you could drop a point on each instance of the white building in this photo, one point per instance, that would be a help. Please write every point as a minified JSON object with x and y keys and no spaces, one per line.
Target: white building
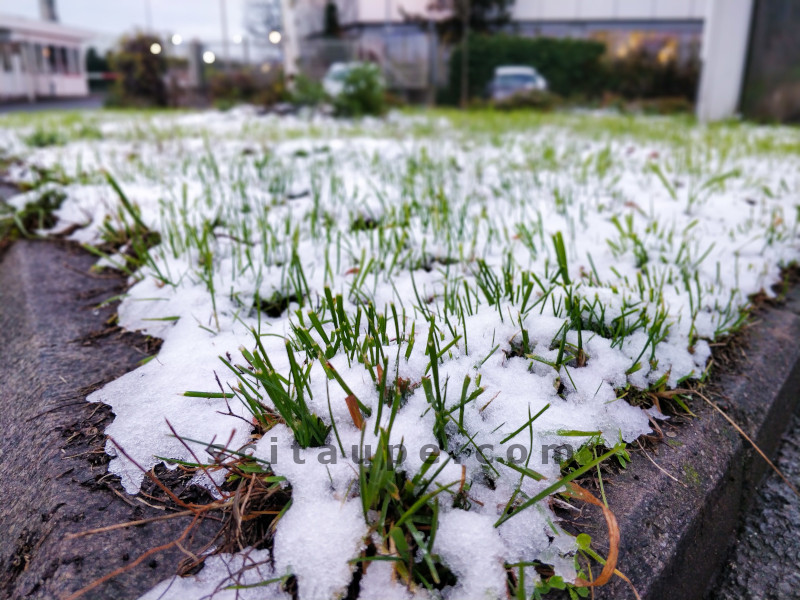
{"x":674,"y":26}
{"x":526,"y":12}
{"x":667,"y":27}
{"x":41,"y":59}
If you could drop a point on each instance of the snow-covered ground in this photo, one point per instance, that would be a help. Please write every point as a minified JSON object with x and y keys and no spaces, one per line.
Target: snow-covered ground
{"x":483,"y":293}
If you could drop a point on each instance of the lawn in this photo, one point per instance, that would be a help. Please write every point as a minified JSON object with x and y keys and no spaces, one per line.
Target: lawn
{"x":407,"y":335}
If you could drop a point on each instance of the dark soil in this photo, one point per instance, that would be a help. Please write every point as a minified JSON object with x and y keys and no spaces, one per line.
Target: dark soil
{"x":57,"y":347}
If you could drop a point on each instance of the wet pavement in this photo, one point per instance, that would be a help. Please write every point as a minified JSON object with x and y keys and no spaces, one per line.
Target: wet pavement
{"x":92,"y":102}
{"x":764,"y":564}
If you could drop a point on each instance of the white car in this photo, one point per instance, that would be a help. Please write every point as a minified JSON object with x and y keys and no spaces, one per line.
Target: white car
{"x":512,"y":80}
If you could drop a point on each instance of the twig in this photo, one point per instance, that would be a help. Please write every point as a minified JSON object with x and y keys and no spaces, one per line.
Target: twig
{"x":138,"y":561}
{"x":194,"y":456}
{"x":659,"y":467}
{"x":154,"y":479}
{"x":752,"y":443}
{"x":73,"y":536}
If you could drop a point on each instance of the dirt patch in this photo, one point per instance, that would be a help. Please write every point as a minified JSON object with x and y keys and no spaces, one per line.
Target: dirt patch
{"x":58,"y":346}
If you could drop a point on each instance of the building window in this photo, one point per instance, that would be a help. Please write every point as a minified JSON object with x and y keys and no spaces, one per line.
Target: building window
{"x":42,"y":55}
{"x":76,"y":60}
{"x":63,"y":61}
{"x":52,"y":56}
{"x":20,"y":50}
{"x":5,"y":58}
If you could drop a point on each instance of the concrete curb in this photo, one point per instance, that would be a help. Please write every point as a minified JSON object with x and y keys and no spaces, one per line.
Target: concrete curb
{"x":57,"y":347}
{"x":676,"y":536}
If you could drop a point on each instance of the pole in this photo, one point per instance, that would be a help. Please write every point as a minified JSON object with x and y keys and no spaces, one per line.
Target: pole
{"x":433,"y":55}
{"x":726,"y":37}
{"x":388,"y":16}
{"x":47,"y":11}
{"x":289,"y":41}
{"x":465,"y":53}
{"x":148,"y":16}
{"x":226,"y":57}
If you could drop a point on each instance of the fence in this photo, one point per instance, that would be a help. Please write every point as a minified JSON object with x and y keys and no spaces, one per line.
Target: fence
{"x":410,"y":58}
{"x":405,"y":56}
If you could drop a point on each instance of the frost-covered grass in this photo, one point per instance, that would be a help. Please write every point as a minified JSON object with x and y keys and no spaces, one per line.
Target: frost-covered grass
{"x":476,"y":288}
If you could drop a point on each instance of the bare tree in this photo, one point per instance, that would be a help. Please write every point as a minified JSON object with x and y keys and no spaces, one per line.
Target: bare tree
{"x":464,"y":7}
{"x":262,"y":17}
{"x":453,"y":17}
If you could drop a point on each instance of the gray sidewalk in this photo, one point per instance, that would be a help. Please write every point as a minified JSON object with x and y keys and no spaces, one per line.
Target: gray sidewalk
{"x":92,"y":102}
{"x":765,"y":561}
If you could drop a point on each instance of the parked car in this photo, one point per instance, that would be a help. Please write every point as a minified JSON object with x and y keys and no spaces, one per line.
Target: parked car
{"x":335,"y":78}
{"x":509,"y":81}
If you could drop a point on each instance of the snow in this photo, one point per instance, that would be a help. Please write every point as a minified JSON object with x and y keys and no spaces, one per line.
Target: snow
{"x":378,"y":584}
{"x":473,"y":549}
{"x":220,"y":574}
{"x":443,"y":202}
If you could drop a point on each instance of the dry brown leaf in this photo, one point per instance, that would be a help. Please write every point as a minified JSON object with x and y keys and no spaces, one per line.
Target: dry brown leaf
{"x":610,"y":568}
{"x":613,"y":538}
{"x":355,"y":413}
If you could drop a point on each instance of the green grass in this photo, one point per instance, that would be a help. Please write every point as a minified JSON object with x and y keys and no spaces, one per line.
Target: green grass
{"x":489,"y":205}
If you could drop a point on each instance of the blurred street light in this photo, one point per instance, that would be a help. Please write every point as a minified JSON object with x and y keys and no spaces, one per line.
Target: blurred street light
{"x":275,"y":37}
{"x":209,"y":57}
{"x":155,"y":48}
{"x":177,"y":39}
{"x":237,"y":39}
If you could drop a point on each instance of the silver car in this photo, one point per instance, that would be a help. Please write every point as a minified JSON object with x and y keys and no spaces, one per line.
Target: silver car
{"x":509,"y":81}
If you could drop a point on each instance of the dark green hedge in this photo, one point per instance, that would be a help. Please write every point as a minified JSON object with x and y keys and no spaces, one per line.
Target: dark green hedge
{"x":571,"y":67}
{"x":574,"y":69}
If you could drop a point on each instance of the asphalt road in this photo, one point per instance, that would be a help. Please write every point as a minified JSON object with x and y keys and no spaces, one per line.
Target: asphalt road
{"x":92,"y":102}
{"x":764,"y":564}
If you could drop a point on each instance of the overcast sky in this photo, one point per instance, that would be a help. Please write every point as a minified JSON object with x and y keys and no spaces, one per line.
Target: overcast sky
{"x":110,"y":18}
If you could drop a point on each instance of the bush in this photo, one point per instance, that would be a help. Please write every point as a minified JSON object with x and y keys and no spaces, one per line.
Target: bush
{"x":140,"y":73}
{"x":641,"y":75}
{"x":271,"y":92}
{"x":570,"y":66}
{"x":534,"y":99}
{"x":307,"y":92}
{"x":228,"y":89}
{"x":666,"y":106}
{"x":223,"y":104}
{"x":394,"y":101}
{"x":232,"y":87}
{"x":363,"y":93}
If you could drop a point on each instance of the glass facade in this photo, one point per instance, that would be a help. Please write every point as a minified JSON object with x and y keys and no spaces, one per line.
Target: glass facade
{"x":678,"y":41}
